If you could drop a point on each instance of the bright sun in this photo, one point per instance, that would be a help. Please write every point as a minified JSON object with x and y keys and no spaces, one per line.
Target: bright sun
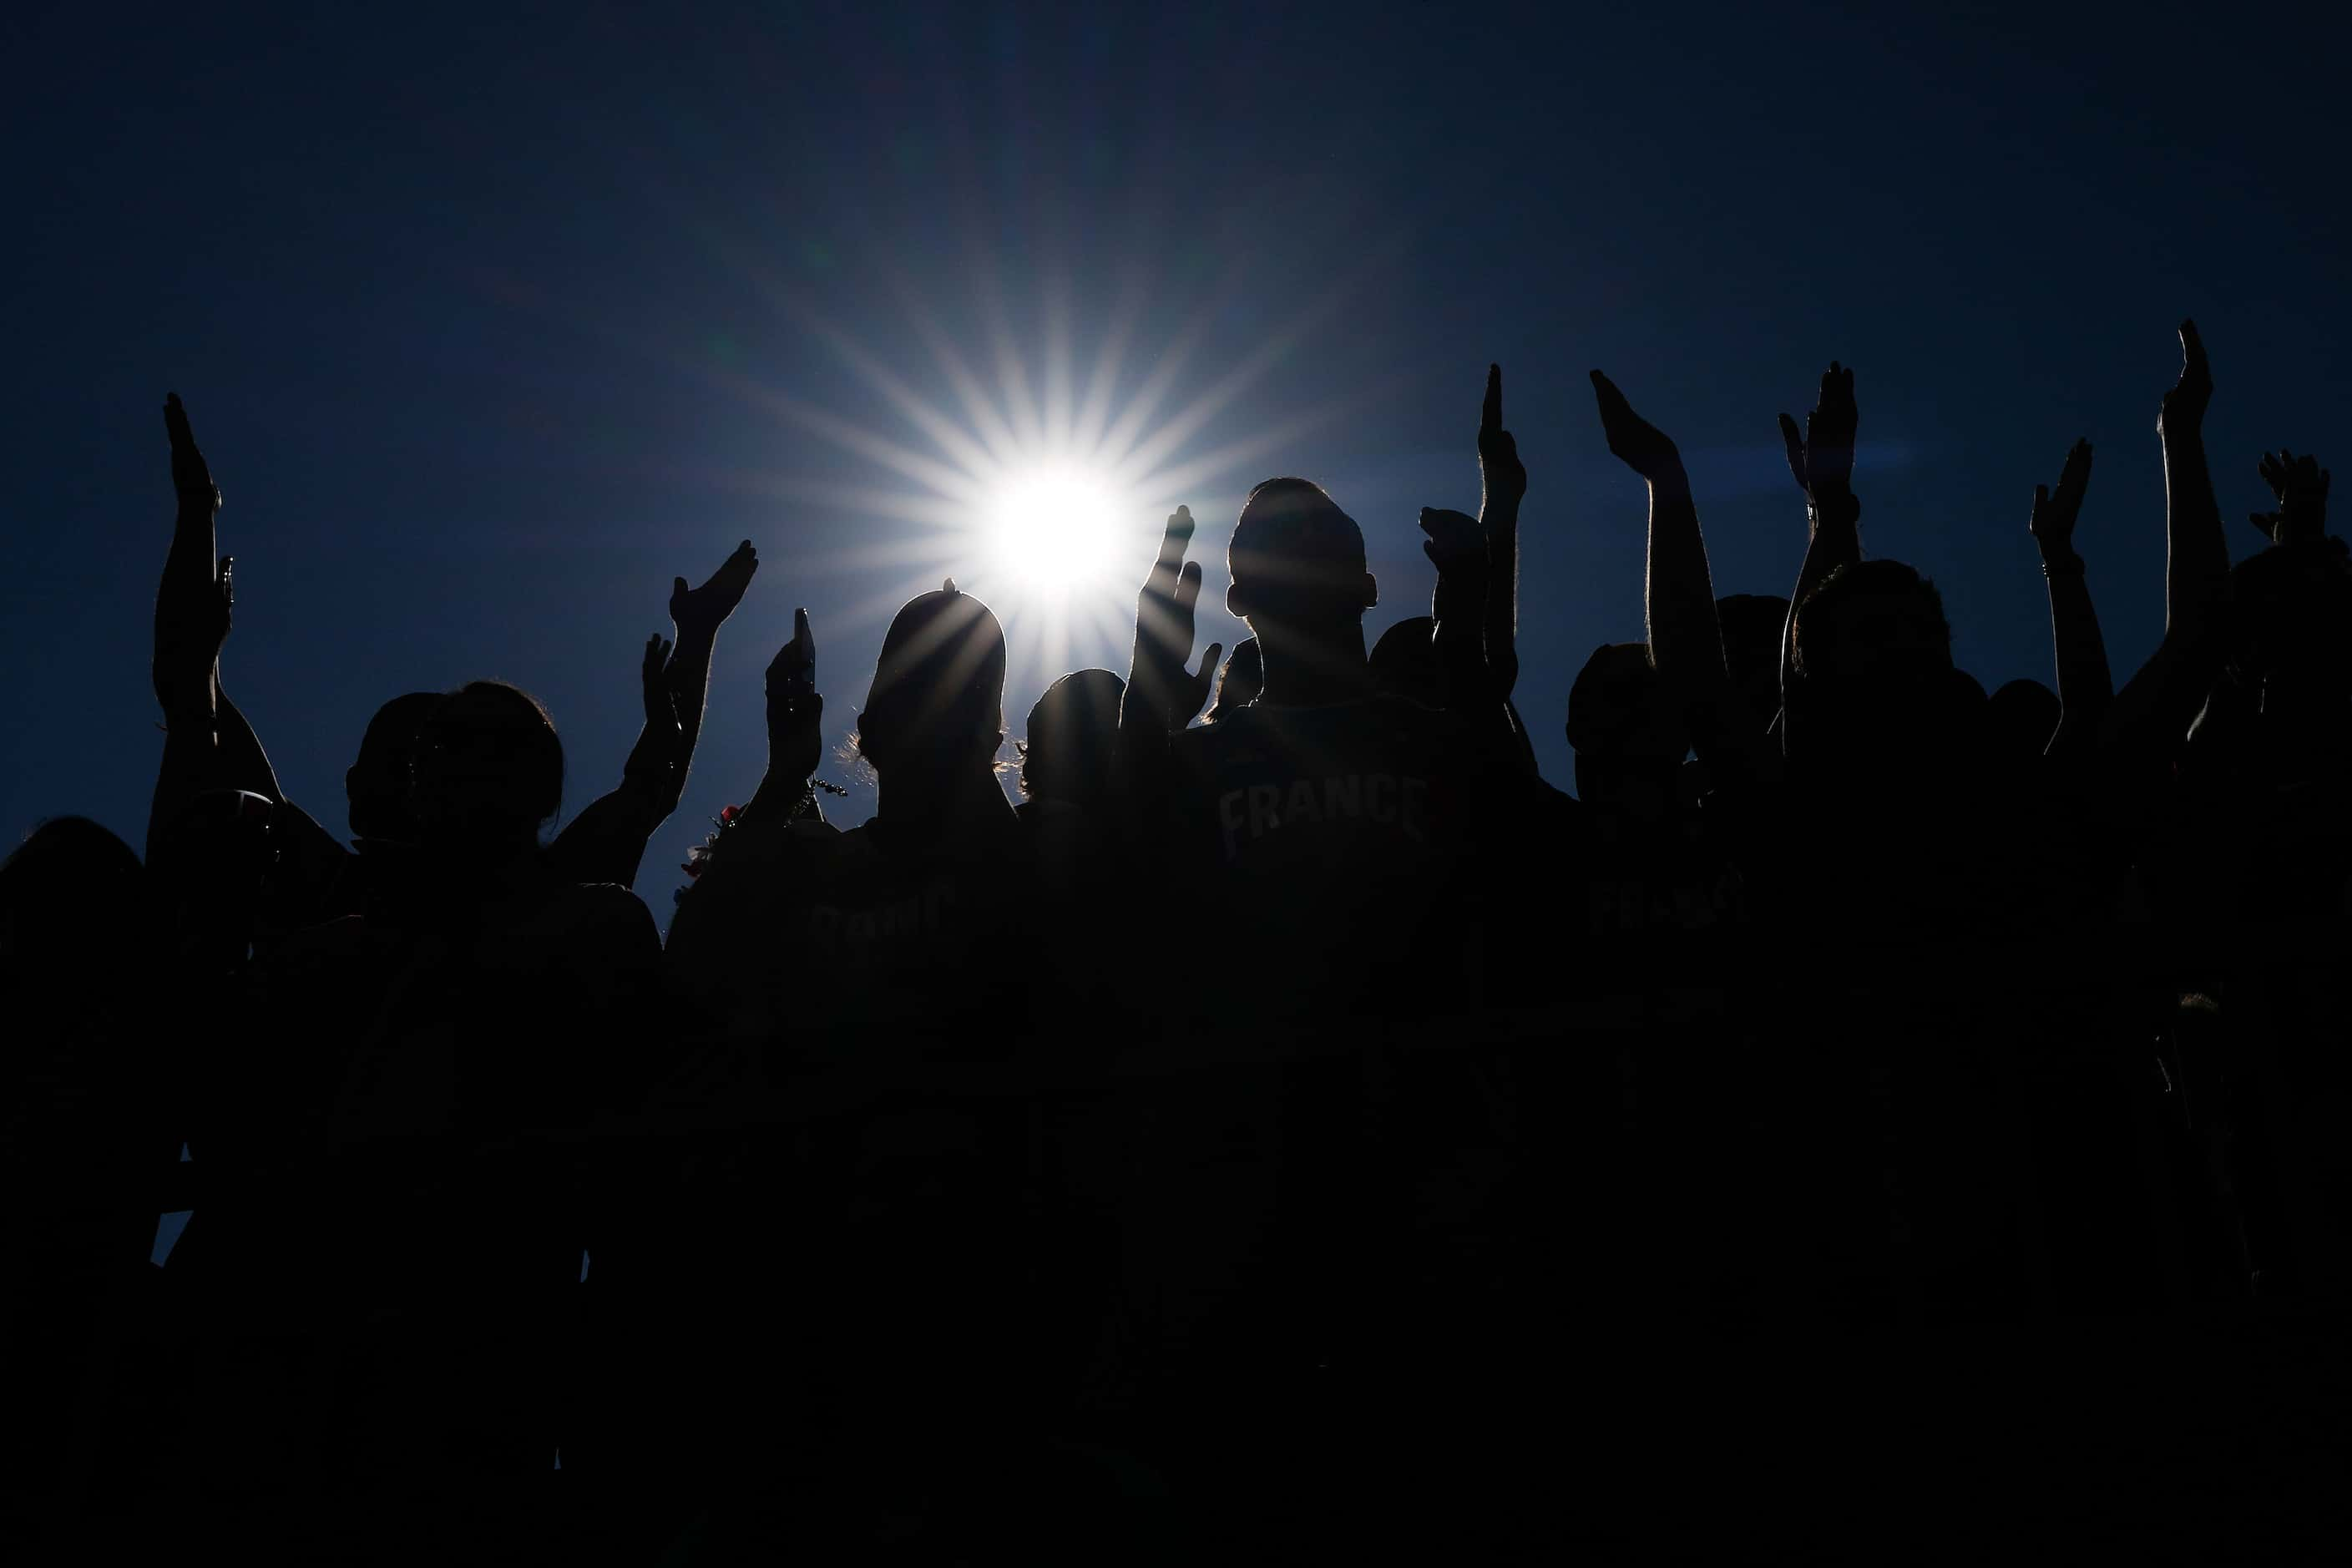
{"x":1053,"y":528}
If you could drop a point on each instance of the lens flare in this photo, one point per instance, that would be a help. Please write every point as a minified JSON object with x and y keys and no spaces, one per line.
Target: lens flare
{"x":1053,"y":528}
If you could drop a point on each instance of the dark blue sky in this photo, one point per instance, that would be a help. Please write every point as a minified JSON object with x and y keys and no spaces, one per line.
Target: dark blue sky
{"x":493,"y":321}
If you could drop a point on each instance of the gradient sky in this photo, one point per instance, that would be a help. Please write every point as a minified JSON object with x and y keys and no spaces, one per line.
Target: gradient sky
{"x":492,"y":320}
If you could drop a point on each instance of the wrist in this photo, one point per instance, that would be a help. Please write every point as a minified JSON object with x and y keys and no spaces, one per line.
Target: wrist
{"x":1833,"y":506}
{"x":2061,"y":562}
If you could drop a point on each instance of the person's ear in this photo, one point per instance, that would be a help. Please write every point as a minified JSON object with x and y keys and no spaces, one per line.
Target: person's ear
{"x":1236,"y":602}
{"x":1371,"y":591}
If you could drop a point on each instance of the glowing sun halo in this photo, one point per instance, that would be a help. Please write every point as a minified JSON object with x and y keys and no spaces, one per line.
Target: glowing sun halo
{"x":1053,"y":527}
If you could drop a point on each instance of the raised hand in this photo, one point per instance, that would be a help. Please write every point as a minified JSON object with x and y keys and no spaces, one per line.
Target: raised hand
{"x":1821,"y":458}
{"x":1192,"y":688}
{"x":660,"y":710}
{"x":2183,"y":407}
{"x":1638,"y":444}
{"x":1501,"y":475}
{"x":705,"y":607}
{"x":2301,"y":486}
{"x":192,"y":478}
{"x":795,"y":710}
{"x":1164,"y":625}
{"x":2052,"y":521}
{"x":1455,"y":542}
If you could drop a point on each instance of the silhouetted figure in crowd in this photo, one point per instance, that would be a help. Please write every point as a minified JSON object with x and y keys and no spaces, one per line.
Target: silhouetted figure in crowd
{"x":1212,"y":1142}
{"x":879,"y":964}
{"x":88,"y":1141}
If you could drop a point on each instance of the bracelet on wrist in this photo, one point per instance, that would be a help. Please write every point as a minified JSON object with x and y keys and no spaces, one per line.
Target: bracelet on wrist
{"x":2067,"y":565}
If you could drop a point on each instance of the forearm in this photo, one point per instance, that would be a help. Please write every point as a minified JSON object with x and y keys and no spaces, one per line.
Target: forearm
{"x":2085,"y":687}
{"x":189,"y":761}
{"x":242,"y":764}
{"x":782,"y":799}
{"x":687,"y":676}
{"x":1459,"y":608}
{"x":2196,"y":553}
{"x":1678,"y":596}
{"x":1834,"y":541}
{"x":1499,"y":520}
{"x":190,"y":565}
{"x":185,"y":602}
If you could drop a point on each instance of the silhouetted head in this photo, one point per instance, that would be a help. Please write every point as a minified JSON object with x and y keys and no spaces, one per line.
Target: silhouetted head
{"x":1404,"y":662}
{"x":1297,"y":559}
{"x":1239,"y":682}
{"x":2020,"y":718}
{"x":488,"y":765}
{"x":378,"y":784}
{"x":938,"y":701}
{"x":1874,"y":627}
{"x":1630,"y":737}
{"x":67,"y":892}
{"x":1073,"y":742}
{"x":1753,"y":626}
{"x":1872,"y":658}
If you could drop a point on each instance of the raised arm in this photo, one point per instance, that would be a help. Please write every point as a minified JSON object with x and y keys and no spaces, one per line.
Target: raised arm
{"x":1678,"y":596}
{"x":2196,"y":555}
{"x":715,"y":939}
{"x":1503,"y":485}
{"x":2084,"y":687}
{"x":2152,"y":713}
{"x":1457,"y":546}
{"x":1821,"y":458}
{"x":795,"y":732}
{"x":697,"y":614}
{"x":606,"y":842}
{"x":191,"y":620}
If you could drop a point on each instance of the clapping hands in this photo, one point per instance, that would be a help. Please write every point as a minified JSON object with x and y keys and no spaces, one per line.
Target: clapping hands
{"x":706,"y":607}
{"x":2301,"y":486}
{"x":1821,"y":458}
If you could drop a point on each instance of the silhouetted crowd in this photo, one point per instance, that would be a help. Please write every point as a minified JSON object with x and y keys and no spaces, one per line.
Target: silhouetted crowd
{"x":1241,"y":1146}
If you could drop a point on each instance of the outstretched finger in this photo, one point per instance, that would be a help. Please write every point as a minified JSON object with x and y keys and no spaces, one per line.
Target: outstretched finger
{"x":804,"y":639}
{"x":175,"y":422}
{"x":1795,"y":445}
{"x":1179,"y":535}
{"x":1490,"y":416}
{"x":1188,"y":587}
{"x":1209,"y":663}
{"x":1172,"y":545}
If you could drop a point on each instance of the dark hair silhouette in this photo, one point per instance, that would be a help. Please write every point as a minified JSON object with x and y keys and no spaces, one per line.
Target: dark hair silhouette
{"x":63,"y":885}
{"x":1871,"y":613}
{"x":1072,"y":746}
{"x":488,"y":763}
{"x":1295,"y":553}
{"x":939,"y":686}
{"x":380,"y":783}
